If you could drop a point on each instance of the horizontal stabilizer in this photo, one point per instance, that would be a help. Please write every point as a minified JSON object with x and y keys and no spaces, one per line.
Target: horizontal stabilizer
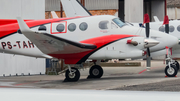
{"x":50,"y":44}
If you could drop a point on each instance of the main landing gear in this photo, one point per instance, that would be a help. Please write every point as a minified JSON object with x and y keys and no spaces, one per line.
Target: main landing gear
{"x":172,"y":67}
{"x":95,"y":71}
{"x":73,"y":74}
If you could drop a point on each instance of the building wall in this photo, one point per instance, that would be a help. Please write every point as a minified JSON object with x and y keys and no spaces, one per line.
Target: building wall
{"x":158,"y":9}
{"x":134,"y":11}
{"x":173,"y":12}
{"x":16,"y":64}
{"x":27,"y":9}
{"x":93,"y":12}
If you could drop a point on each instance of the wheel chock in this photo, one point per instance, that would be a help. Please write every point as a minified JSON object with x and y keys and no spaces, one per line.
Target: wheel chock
{"x":167,"y":76}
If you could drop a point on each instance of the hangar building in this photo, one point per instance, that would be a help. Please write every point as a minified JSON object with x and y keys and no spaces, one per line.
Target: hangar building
{"x":16,"y":64}
{"x":128,"y":10}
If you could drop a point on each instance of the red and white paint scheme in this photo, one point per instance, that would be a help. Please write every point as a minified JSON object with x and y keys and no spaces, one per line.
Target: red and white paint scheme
{"x":77,"y":39}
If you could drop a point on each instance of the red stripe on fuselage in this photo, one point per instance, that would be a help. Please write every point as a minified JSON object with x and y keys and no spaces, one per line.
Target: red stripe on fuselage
{"x":11,"y":28}
{"x":8,"y":21}
{"x":100,"y":42}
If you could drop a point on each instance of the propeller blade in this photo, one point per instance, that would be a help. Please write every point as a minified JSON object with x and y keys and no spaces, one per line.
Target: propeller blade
{"x":148,"y":52}
{"x":166,"y":23}
{"x":148,"y":55}
{"x":148,"y":60}
{"x":146,"y":21}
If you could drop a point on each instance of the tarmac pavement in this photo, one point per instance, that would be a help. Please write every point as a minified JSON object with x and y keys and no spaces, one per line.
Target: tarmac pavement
{"x":114,"y":78}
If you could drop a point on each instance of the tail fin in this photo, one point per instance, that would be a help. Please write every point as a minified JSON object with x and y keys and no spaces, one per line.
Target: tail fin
{"x":54,"y":15}
{"x":8,"y":21}
{"x":74,"y":8}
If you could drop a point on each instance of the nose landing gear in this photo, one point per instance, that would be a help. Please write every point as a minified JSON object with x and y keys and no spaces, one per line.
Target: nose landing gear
{"x":172,"y":67}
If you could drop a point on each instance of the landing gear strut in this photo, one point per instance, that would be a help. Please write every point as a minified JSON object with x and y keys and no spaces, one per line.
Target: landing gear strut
{"x":172,"y":67}
{"x":72,"y":74}
{"x":95,"y":71}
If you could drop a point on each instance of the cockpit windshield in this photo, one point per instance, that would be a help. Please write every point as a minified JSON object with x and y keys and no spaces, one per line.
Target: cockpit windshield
{"x":119,"y":22}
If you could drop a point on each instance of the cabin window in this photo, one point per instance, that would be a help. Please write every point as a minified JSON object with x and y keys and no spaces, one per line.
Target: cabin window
{"x":171,"y":28}
{"x":103,"y":24}
{"x":60,"y":28}
{"x":119,"y":22}
{"x":42,"y":28}
{"x":72,"y":27}
{"x":83,"y":26}
{"x":178,"y":28}
{"x":162,"y":28}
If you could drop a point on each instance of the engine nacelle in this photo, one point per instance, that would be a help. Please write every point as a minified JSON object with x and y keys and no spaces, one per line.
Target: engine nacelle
{"x":121,"y":49}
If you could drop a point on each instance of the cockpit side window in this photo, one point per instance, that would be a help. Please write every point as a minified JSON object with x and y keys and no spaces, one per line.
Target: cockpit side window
{"x":118,"y":22}
{"x":103,"y":24}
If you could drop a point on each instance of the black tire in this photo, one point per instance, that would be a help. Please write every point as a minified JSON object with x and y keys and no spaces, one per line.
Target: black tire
{"x":96,"y":71}
{"x":177,"y":65}
{"x":169,"y":73}
{"x":74,"y":77}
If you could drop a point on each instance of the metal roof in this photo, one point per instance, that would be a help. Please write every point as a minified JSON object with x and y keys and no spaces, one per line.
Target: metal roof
{"x":54,"y":5}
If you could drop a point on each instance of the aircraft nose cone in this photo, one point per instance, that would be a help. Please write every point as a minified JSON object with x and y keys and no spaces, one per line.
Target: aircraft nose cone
{"x":150,"y":42}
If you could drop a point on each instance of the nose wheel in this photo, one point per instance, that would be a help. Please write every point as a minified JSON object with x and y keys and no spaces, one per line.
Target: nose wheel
{"x":172,"y":67}
{"x":171,"y":71}
{"x":95,"y":71}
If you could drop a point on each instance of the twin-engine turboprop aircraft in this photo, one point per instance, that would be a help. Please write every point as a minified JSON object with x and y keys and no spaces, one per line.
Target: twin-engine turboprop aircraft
{"x":77,"y":39}
{"x":73,"y":8}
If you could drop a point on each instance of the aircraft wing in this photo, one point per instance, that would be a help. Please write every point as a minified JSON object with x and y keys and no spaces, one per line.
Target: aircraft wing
{"x":74,"y":8}
{"x":50,"y":44}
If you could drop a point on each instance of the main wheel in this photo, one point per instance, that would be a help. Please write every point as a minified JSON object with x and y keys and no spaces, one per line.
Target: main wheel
{"x":74,"y":76}
{"x":177,"y":65}
{"x":96,"y":71}
{"x":171,"y":72}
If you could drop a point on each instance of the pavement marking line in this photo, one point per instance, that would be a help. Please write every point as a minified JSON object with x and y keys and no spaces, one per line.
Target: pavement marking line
{"x":146,"y":69}
{"x":25,"y":83}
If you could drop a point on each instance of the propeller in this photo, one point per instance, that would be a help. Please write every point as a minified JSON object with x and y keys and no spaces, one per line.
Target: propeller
{"x":148,"y":55}
{"x":166,"y":23}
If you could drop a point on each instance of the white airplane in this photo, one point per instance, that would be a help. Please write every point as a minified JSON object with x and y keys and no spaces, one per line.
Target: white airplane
{"x":77,"y":39}
{"x":73,"y":8}
{"x":19,"y":94}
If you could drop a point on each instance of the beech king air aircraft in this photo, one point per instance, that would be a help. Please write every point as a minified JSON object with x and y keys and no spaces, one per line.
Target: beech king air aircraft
{"x":73,"y":8}
{"x":77,"y":39}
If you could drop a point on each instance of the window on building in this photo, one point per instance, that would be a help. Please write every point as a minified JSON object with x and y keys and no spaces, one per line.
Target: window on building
{"x":83,"y":26}
{"x":42,"y":28}
{"x":72,"y":27}
{"x":60,"y":28}
{"x":103,"y":24}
